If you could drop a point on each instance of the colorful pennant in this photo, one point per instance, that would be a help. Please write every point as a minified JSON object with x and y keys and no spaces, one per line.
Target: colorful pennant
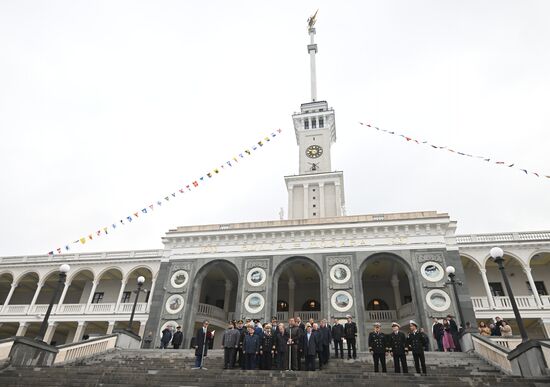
{"x":484,"y":158}
{"x":144,"y":210}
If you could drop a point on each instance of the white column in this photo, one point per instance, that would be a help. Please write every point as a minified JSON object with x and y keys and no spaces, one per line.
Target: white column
{"x":36,"y":293}
{"x":483,"y":273}
{"x":110,"y":327}
{"x":8,"y":298}
{"x":141,"y":328}
{"x":338,"y":199}
{"x":527,"y":271}
{"x":91,"y":296}
{"x":63,"y":294}
{"x":291,"y":287}
{"x":79,"y":331}
{"x":22,"y":330}
{"x":312,"y":49}
{"x":396,"y":291}
{"x":322,"y":199}
{"x":150,"y":299}
{"x":290,"y":202}
{"x":52,"y":326}
{"x":121,"y":291}
{"x":227,"y":295}
{"x":306,"y":201}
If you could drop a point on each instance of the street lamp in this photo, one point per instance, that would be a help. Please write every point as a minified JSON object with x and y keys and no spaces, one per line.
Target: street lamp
{"x":63,"y":270}
{"x":450,"y":270}
{"x":140,"y":282}
{"x":497,"y":255}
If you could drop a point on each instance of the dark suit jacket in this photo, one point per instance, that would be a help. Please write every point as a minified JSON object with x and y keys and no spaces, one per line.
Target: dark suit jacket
{"x":177,"y":339}
{"x":337,"y":331}
{"x":310,"y":346}
{"x":200,"y":340}
{"x":397,"y":343}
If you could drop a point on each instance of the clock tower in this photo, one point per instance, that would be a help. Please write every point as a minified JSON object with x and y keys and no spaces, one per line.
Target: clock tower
{"x":317,"y":191}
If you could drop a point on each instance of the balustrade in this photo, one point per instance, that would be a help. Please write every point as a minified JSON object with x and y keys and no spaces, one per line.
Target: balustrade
{"x":503,"y":302}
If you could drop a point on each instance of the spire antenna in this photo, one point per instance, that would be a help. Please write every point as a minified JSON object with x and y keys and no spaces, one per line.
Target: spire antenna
{"x":312,"y":50}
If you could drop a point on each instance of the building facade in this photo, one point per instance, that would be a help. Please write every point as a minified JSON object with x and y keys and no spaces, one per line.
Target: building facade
{"x":320,"y":263}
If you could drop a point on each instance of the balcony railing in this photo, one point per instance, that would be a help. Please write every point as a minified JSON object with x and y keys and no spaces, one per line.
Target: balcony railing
{"x":66,"y":309}
{"x":503,"y":303}
{"x":304,"y":315}
{"x":381,"y":315}
{"x":212,"y":311}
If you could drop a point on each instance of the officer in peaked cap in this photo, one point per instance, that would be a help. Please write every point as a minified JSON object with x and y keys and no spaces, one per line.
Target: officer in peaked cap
{"x":397,"y":344}
{"x":416,"y":342}
{"x":377,"y":346}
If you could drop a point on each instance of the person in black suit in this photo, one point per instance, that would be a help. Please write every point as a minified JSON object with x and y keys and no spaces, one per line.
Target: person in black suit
{"x":325,"y":336}
{"x":177,"y":339}
{"x":377,"y":346}
{"x":350,"y":332}
{"x":281,"y":347}
{"x":201,"y":343}
{"x":416,"y":341}
{"x":397,"y":343}
{"x":309,"y":348}
{"x":337,"y":336}
{"x":437,"y":333}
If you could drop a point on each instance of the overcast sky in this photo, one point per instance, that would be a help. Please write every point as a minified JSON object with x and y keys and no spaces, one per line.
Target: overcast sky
{"x":108,"y":106}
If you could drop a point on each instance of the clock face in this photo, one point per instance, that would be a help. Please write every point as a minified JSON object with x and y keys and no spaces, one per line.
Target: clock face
{"x":314,"y":151}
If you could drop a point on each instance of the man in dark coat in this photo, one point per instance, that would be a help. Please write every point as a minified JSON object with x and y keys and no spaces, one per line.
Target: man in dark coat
{"x":202,"y":338}
{"x":454,"y":332}
{"x":281,"y":347}
{"x":397,"y":343}
{"x":416,"y":342}
{"x":178,"y":338}
{"x":230,"y":343}
{"x":267,"y":348}
{"x":437,"y":333}
{"x":166,"y":337}
{"x":309,"y":348}
{"x":325,"y":339}
{"x":350,"y":332}
{"x":377,"y":346}
{"x":337,"y":336}
{"x":294,"y":342}
{"x":251,"y":348}
{"x":240,"y":355}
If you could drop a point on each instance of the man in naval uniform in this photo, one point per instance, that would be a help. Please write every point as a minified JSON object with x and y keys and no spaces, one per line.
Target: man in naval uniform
{"x":397,"y":343}
{"x":416,"y":342}
{"x":377,"y":345}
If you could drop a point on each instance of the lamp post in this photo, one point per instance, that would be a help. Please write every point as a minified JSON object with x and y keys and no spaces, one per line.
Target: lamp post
{"x":140,"y":282}
{"x":450,"y":270}
{"x":63,"y":270}
{"x":497,"y":255}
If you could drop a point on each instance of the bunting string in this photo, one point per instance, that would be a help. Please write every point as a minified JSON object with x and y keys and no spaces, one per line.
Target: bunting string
{"x":151,"y":207}
{"x":462,"y":154}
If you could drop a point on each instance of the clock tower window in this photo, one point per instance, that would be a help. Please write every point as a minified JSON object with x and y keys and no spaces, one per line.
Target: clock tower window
{"x":313,"y":123}
{"x":306,"y":123}
{"x":321,"y":122}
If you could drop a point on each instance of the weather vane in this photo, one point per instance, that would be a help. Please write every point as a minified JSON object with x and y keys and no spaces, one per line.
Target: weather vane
{"x":312,"y":19}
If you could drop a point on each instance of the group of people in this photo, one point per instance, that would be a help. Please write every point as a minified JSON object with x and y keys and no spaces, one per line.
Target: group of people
{"x":252,"y":345}
{"x":446,"y":334}
{"x":398,"y":345}
{"x":499,"y":328}
{"x":300,"y":345}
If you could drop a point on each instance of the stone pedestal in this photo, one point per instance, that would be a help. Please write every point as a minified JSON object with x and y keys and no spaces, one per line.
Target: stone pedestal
{"x":466,"y":343}
{"x":527,"y":359}
{"x":127,"y":340}
{"x":27,"y":352}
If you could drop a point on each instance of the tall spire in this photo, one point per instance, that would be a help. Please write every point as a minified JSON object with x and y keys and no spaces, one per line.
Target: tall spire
{"x":312,"y":49}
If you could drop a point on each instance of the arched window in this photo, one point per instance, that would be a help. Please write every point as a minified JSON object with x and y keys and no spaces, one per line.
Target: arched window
{"x":377,"y":304}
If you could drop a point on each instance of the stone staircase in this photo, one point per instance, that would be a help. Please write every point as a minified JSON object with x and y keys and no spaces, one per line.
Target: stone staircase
{"x":174,"y":368}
